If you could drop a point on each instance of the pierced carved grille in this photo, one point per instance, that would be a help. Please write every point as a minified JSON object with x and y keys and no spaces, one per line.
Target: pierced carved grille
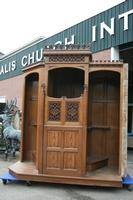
{"x":67,"y":58}
{"x":72,"y":111}
{"x":54,"y":111}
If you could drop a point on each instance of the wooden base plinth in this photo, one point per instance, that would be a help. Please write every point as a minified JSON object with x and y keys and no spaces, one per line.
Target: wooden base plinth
{"x":102,"y":177}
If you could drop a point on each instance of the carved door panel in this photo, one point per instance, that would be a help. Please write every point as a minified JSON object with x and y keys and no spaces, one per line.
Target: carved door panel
{"x":63,"y":131}
{"x":62,"y":151}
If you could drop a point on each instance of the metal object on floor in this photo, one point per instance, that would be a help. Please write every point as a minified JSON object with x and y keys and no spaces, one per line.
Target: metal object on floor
{"x":7,"y":177}
{"x":127,"y":182}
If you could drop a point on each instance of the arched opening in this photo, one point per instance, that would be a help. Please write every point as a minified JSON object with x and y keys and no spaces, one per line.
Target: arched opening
{"x":103,"y":120}
{"x":30,"y":116}
{"x":66,"y":82}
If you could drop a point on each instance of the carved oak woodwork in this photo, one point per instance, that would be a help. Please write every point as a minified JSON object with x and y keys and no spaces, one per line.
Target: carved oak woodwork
{"x":74,"y":119}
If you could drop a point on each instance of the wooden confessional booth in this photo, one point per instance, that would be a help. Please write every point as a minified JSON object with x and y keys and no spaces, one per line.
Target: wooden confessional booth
{"x":74,"y":120}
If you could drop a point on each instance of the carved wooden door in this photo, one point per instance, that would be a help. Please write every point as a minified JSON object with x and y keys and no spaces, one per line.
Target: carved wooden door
{"x":63,"y":139}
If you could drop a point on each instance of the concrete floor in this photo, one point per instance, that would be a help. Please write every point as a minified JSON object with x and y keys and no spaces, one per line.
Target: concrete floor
{"x":45,"y":191}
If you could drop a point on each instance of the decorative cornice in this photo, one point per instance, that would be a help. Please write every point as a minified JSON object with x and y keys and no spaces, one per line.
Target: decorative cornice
{"x":66,"y":53}
{"x":67,"y":47}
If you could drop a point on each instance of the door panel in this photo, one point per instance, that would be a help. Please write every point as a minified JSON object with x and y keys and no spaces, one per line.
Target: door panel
{"x":53,"y":159}
{"x":62,"y":142}
{"x":63,"y":151}
{"x":70,"y":161}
